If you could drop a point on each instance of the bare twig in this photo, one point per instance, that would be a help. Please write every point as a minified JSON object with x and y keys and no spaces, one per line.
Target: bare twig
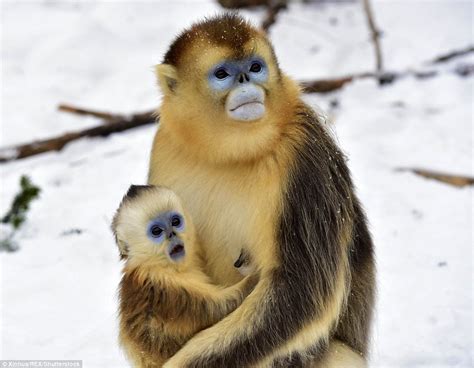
{"x":375,"y":34}
{"x":326,"y":85}
{"x":273,"y":8}
{"x":453,"y":54}
{"x":118,"y":124}
{"x":333,"y":84}
{"x":97,"y":114}
{"x":455,"y":180}
{"x":239,"y":4}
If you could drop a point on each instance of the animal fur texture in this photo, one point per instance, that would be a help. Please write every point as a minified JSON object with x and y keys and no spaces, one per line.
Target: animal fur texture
{"x":164,"y":303}
{"x":280,"y":186}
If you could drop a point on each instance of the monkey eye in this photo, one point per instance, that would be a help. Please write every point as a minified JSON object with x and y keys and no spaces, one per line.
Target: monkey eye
{"x":156,"y":231}
{"x":175,"y":221}
{"x":221,"y":73}
{"x":255,"y":67}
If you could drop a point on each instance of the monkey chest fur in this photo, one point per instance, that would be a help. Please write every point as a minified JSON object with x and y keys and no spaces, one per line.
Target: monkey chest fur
{"x":233,"y":207}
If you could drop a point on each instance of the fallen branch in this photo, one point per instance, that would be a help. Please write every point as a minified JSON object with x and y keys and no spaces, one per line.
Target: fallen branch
{"x":326,"y":85}
{"x":330,"y":85}
{"x":455,"y":180}
{"x":333,"y":84}
{"x":97,"y":114}
{"x":453,"y":54}
{"x":273,"y":8}
{"x":239,"y":4}
{"x":375,"y":35}
{"x":118,"y":123}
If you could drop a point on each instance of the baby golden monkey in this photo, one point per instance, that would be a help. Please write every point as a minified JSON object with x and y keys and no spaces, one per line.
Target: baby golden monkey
{"x":255,"y":165}
{"x":165,"y":298}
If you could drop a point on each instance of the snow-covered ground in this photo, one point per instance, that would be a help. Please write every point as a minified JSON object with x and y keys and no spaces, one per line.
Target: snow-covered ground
{"x":58,"y":292}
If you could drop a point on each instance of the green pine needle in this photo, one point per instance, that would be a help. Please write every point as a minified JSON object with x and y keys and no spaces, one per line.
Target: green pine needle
{"x":16,"y":216}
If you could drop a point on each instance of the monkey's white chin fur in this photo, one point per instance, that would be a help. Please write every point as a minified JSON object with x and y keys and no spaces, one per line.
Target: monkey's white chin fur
{"x":246,"y":103}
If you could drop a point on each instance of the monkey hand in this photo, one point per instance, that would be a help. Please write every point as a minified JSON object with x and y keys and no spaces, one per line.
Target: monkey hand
{"x":249,"y":283}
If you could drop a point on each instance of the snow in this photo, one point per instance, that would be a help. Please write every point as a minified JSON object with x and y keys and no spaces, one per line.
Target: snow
{"x":58,"y":292}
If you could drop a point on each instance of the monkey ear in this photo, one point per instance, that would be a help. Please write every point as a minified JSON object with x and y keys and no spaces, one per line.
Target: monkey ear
{"x":167,"y":78}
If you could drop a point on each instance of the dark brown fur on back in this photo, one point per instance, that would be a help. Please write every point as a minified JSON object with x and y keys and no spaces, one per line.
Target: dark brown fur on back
{"x":354,"y":326}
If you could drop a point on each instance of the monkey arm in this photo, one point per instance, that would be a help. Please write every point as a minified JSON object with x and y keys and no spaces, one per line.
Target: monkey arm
{"x":268,"y":318}
{"x":194,"y":305}
{"x":157,"y":317}
{"x":217,"y":303}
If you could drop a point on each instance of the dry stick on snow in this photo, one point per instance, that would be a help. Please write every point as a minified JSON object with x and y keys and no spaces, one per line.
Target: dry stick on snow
{"x":375,"y":35}
{"x":97,"y":114}
{"x":239,"y":4}
{"x":118,"y":123}
{"x":455,"y":180}
{"x":273,"y":8}
{"x":333,"y":84}
{"x":329,"y":85}
{"x":453,"y":54}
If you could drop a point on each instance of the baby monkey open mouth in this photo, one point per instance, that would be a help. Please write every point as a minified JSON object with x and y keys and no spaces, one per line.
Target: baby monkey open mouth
{"x":176,"y":250}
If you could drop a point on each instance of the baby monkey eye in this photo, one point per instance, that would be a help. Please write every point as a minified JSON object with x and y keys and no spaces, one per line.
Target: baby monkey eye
{"x":255,"y":67}
{"x":175,"y":221}
{"x":221,"y":73}
{"x":156,"y":231}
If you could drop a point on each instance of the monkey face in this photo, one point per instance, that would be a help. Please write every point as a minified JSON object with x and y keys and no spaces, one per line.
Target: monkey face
{"x":151,"y":224}
{"x":241,"y":82}
{"x":164,"y":232}
{"x":224,"y":95}
{"x":228,"y":86}
{"x":223,"y":67}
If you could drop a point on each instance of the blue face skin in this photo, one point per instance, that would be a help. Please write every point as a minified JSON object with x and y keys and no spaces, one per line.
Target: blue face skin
{"x":231,"y":73}
{"x":167,"y":226}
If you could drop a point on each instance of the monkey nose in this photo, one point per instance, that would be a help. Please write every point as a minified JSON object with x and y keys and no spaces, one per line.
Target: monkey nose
{"x":171,"y":234}
{"x":244,"y":78}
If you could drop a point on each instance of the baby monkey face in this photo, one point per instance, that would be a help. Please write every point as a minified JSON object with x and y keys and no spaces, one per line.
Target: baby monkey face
{"x":165,"y":231}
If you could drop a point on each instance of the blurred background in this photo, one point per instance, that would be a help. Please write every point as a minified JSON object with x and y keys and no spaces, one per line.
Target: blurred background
{"x":394,"y":78}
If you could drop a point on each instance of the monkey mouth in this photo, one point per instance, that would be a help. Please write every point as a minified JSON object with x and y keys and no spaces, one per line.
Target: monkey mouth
{"x":176,"y":251}
{"x":247,"y":110}
{"x":246,"y":103}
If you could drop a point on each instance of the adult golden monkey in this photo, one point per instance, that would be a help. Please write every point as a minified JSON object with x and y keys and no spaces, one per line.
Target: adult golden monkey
{"x":257,"y":169}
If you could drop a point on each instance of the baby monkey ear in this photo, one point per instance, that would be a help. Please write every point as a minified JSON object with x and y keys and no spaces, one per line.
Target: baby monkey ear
{"x":167,"y":78}
{"x":123,"y":249}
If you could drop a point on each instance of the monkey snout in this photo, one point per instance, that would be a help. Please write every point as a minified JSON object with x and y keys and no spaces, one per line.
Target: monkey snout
{"x":176,"y":251}
{"x":246,"y":102}
{"x":244,"y":78}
